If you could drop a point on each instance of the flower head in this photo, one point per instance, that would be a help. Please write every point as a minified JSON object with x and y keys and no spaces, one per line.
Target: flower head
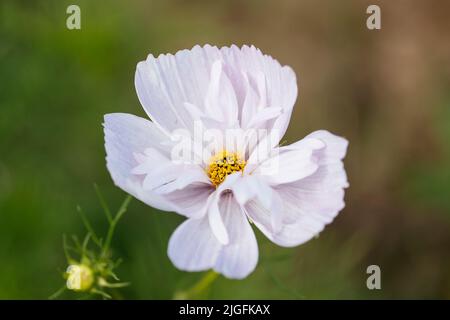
{"x":211,"y":153}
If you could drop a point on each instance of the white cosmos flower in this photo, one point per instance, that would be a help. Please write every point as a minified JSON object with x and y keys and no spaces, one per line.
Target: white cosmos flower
{"x":289,"y":192}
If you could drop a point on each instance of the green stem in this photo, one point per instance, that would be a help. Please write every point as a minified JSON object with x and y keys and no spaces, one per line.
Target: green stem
{"x":58,"y":293}
{"x":200,"y":287}
{"x":112,"y":225}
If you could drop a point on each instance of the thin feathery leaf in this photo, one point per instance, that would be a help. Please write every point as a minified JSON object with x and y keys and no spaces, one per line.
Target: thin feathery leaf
{"x":103,"y":203}
{"x":66,"y":249}
{"x":100,"y":292}
{"x":123,"y":208}
{"x":112,"y":226}
{"x":88,"y":226}
{"x":85,"y":243}
{"x":58,"y":293}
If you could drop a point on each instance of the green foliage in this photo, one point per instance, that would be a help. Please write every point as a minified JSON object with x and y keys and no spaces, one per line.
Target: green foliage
{"x":96,"y":259}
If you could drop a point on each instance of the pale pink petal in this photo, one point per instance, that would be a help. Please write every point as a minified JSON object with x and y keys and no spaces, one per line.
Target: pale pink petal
{"x":263,"y":116}
{"x":191,"y":201}
{"x":251,"y":187}
{"x":125,"y":136}
{"x":183,"y":176}
{"x":193,"y":246}
{"x":250,"y":102}
{"x":216,"y":222}
{"x":214,"y":81}
{"x":239,"y":257}
{"x":291,"y":163}
{"x":336,"y":147}
{"x":310,"y":203}
{"x":214,"y":214}
{"x":220,"y":99}
{"x":276,"y":85}
{"x":290,"y":235}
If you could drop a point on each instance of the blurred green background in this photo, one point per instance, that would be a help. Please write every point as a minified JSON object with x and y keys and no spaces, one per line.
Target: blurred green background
{"x":387,"y":91}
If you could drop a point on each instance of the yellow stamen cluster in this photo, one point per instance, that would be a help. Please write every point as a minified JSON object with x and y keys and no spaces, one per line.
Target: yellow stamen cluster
{"x":223,"y":164}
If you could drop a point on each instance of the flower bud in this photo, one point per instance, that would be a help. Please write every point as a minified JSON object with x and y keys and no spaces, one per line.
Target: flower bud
{"x":80,"y":277}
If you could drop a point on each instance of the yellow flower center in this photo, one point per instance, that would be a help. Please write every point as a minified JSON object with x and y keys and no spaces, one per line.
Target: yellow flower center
{"x":223,"y":164}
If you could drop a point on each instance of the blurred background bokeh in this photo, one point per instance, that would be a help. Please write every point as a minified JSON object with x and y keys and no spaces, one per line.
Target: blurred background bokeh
{"x":386,"y":91}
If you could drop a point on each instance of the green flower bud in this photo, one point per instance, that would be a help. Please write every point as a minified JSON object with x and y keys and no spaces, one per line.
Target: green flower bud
{"x":79,"y":277}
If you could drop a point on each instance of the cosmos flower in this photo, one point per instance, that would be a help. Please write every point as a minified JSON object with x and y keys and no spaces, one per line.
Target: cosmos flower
{"x":233,"y":174}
